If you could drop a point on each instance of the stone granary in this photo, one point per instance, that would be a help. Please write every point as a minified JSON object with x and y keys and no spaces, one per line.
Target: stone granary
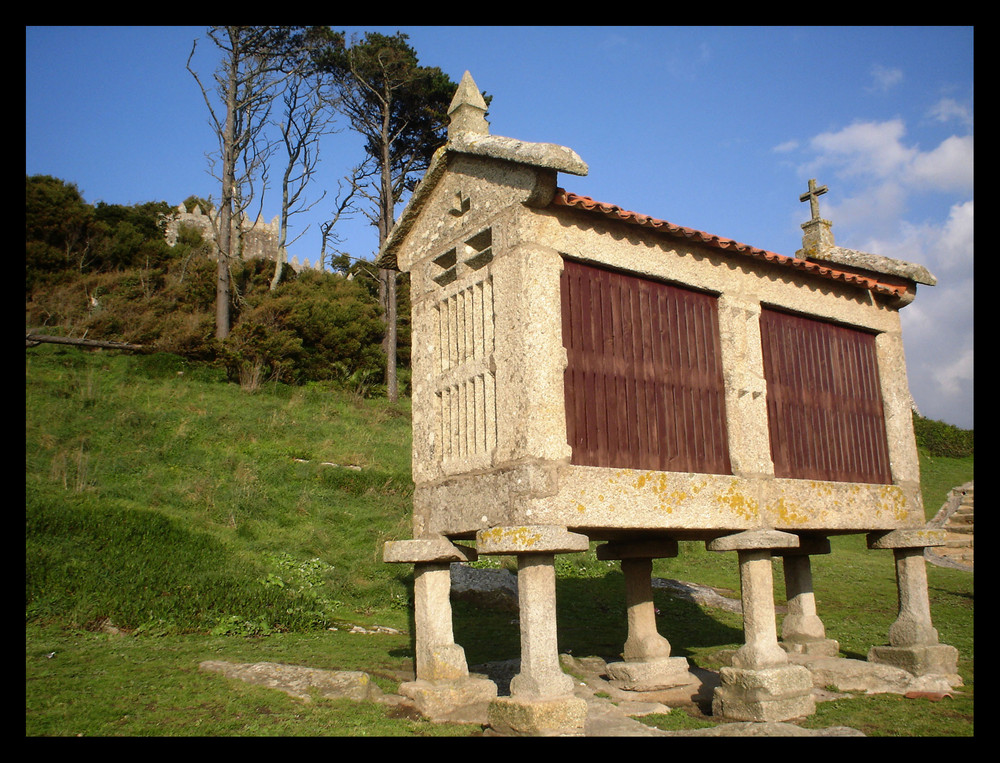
{"x":583,"y":374}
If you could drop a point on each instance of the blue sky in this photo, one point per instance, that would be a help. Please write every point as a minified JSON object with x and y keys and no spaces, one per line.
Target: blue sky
{"x":714,"y":128}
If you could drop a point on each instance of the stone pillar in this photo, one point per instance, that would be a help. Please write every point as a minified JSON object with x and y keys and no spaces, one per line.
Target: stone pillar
{"x":913,"y":640}
{"x":760,"y":685}
{"x":443,"y":689}
{"x":802,"y":631}
{"x":437,"y":656}
{"x":541,"y":700}
{"x":647,"y":664}
{"x":541,"y":676}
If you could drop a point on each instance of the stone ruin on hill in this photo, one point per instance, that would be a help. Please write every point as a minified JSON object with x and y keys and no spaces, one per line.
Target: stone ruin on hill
{"x":259,"y":239}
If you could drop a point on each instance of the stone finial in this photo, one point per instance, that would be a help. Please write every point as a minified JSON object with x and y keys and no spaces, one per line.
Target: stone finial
{"x":468,"y":109}
{"x":812,"y":196}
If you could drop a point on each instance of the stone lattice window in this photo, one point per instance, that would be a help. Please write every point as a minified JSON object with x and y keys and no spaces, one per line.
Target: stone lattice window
{"x":466,"y":385}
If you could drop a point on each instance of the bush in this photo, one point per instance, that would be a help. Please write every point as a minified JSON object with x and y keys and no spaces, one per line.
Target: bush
{"x":106,"y":272}
{"x":937,"y":438}
{"x":315,"y":327}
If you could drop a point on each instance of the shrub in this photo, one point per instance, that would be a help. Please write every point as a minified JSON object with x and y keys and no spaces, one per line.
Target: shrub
{"x":315,"y":327}
{"x":937,"y":438}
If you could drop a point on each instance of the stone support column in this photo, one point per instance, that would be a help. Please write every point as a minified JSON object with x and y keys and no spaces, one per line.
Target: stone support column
{"x":540,"y":676}
{"x":443,"y":689}
{"x":541,"y":700}
{"x":913,"y":640}
{"x":802,"y":631}
{"x":647,"y":664}
{"x":437,"y":656}
{"x":760,"y":685}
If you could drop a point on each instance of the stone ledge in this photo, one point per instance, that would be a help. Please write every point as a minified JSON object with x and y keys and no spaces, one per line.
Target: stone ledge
{"x":874,"y":263}
{"x":300,"y":682}
{"x":530,"y":539}
{"x":429,"y":551}
{"x":465,"y":700}
{"x":652,"y":675}
{"x":754,"y":539}
{"x":917,"y":537}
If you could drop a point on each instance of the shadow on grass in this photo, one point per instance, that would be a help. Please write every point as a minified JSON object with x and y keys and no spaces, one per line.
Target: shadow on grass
{"x":591,"y":622}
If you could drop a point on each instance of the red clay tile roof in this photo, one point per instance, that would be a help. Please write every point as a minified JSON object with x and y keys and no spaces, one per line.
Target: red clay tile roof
{"x":565,"y":199}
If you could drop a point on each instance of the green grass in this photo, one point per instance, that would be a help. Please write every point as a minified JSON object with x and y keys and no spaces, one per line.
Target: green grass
{"x":86,"y":684}
{"x":208,"y":490}
{"x":173,"y":518}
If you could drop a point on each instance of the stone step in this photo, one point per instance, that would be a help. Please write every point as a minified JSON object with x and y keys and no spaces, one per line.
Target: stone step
{"x":964,"y":541}
{"x":959,"y":528}
{"x":961,"y":555}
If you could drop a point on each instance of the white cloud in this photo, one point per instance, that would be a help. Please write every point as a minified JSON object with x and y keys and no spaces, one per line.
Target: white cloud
{"x":947,"y":167}
{"x":946,"y":248}
{"x":948,"y":109}
{"x":877,"y":150}
{"x":865,"y":148}
{"x":951,"y":378}
{"x":938,"y":331}
{"x":884,"y":77}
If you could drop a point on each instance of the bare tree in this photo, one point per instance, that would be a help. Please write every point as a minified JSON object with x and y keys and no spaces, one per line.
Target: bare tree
{"x":247,"y":80}
{"x":344,"y":205}
{"x":307,"y":115}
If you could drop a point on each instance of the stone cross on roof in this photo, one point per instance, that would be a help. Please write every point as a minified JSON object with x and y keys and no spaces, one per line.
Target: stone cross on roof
{"x":812,"y":196}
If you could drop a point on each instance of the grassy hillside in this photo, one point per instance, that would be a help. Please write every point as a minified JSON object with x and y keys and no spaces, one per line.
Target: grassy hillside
{"x":202,"y":505}
{"x":172,"y":517}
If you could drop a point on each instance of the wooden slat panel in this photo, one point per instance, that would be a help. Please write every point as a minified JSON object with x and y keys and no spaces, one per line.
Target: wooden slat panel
{"x":824,"y":400}
{"x":644,"y":381}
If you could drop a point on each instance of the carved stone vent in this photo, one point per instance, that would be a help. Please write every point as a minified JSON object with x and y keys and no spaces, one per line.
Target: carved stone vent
{"x":466,"y":384}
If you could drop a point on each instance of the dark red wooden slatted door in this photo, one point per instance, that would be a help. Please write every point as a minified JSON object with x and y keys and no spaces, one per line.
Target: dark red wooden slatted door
{"x":824,"y":400}
{"x":644,"y":382}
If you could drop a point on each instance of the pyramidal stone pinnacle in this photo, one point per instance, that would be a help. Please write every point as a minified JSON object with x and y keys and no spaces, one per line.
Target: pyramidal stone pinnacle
{"x":468,"y":109}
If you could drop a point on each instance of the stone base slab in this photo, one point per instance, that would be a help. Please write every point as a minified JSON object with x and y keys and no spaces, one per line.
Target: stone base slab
{"x":826,"y":647}
{"x":650,"y":676}
{"x":933,"y":659}
{"x":558,"y":716}
{"x":772,"y":694}
{"x":465,"y":700}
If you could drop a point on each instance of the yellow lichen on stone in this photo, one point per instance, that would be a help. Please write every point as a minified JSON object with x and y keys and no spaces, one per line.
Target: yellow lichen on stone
{"x":738,"y":502}
{"x":521,"y":537}
{"x":788,"y":513}
{"x":893,"y":500}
